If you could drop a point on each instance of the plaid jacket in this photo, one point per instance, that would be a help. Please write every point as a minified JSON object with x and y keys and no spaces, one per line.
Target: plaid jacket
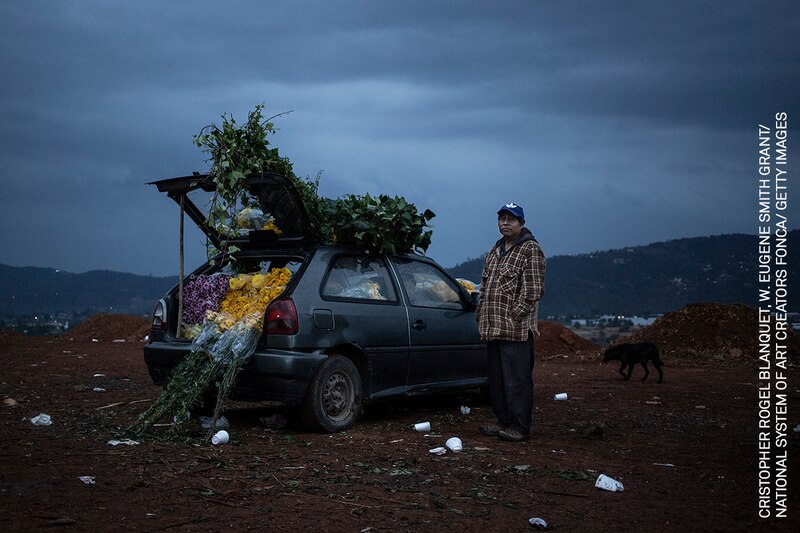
{"x":512,"y":284}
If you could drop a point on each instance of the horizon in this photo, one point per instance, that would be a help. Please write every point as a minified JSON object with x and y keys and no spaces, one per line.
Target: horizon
{"x":447,"y":267}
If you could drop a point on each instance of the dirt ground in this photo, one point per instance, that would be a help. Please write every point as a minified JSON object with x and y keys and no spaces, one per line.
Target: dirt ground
{"x":685,"y":451}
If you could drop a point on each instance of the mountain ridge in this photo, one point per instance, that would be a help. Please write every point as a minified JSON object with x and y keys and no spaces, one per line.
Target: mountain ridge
{"x":634,"y":280}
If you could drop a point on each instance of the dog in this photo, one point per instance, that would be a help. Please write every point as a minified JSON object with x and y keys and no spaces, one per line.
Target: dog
{"x":631,"y":354}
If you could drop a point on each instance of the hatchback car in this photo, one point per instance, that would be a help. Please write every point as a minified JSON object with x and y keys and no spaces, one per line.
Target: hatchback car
{"x":349,"y":328}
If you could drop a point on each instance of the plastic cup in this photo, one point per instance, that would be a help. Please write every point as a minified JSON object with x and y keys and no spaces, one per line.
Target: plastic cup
{"x":454,"y":443}
{"x":438,"y":451}
{"x":607,"y":483}
{"x":422,"y":427}
{"x":220,"y":437}
{"x":560,"y":397}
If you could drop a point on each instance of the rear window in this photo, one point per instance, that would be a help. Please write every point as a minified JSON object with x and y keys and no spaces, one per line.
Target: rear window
{"x":267,"y":208}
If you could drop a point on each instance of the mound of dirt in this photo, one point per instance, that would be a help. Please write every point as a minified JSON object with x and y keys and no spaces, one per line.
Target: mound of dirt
{"x":110,"y":327}
{"x":557,"y":339}
{"x":710,"y":334}
{"x":8,"y":334}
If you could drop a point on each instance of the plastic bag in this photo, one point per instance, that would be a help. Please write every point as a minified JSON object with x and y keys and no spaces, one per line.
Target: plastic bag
{"x":252,"y":218}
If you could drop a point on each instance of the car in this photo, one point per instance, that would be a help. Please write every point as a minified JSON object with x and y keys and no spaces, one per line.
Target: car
{"x":350,"y":328}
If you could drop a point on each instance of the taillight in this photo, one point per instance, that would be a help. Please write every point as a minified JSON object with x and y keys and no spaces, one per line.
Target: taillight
{"x":282,"y":317}
{"x":160,"y":316}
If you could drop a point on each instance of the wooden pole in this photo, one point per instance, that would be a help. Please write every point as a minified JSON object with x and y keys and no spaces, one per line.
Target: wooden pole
{"x":179,"y":329}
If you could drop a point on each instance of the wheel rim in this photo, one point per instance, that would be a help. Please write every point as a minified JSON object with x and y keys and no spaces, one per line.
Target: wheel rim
{"x":338,"y":396}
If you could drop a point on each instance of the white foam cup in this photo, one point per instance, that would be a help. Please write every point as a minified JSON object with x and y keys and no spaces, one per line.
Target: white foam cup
{"x":561,"y":396}
{"x":422,"y":427}
{"x":608,"y":483}
{"x":220,"y":437}
{"x":454,"y":443}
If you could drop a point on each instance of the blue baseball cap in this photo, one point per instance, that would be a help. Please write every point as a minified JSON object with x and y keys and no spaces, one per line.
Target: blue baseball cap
{"x":514,"y":209}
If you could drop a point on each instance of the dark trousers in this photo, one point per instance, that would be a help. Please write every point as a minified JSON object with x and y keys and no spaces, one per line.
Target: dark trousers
{"x":511,"y":382}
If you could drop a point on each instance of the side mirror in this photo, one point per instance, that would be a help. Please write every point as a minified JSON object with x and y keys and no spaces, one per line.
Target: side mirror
{"x":473,"y":299}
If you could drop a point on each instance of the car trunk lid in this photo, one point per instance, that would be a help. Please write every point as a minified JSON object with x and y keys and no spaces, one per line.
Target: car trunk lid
{"x":275,"y":218}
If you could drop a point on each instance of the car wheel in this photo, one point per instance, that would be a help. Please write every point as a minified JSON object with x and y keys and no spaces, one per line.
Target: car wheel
{"x":333,"y":399}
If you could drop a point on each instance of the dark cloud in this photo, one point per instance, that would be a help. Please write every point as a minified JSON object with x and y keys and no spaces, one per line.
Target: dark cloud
{"x":613,"y":123}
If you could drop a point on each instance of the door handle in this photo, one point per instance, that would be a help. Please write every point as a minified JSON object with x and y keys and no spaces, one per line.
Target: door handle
{"x":419,"y":325}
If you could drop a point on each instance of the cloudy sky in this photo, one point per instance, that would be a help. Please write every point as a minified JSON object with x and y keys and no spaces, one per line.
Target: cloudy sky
{"x":612,"y":123}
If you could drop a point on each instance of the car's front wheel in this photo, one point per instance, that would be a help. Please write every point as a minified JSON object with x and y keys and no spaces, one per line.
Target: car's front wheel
{"x":333,"y":399}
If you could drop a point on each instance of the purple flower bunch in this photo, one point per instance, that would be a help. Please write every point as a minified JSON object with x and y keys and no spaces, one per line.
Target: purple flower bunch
{"x":203,"y":293}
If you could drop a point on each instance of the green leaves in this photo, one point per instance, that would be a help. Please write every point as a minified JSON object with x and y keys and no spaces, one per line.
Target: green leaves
{"x":234,"y":153}
{"x":375,"y":224}
{"x":380,"y":224}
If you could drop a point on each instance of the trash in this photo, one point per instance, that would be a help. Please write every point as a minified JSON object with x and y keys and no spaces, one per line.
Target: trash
{"x":441,"y":450}
{"x":88,"y":480}
{"x":422,"y":427}
{"x":98,"y":389}
{"x":465,"y":410}
{"x":10,"y":402}
{"x":276,"y":421}
{"x":185,"y":418}
{"x":454,"y":443}
{"x":606,"y":483}
{"x":126,"y":442}
{"x":538,"y":523}
{"x":797,"y":428}
{"x":95,"y":340}
{"x":560,"y":397}
{"x":522,"y":468}
{"x":220,"y":437}
{"x":205,"y":422}
{"x":41,"y":420}
{"x":668,"y":465}
{"x":99,"y":375}
{"x":118,"y":340}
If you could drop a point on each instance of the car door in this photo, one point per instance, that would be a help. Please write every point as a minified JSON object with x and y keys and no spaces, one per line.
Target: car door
{"x":366,"y":311}
{"x":445,"y":345}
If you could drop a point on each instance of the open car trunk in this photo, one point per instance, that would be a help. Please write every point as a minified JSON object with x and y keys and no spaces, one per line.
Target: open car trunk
{"x":273,"y":216}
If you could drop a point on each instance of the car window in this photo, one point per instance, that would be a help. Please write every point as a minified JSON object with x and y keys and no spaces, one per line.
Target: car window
{"x":359,"y":278}
{"x":269,"y":207}
{"x":427,"y":286}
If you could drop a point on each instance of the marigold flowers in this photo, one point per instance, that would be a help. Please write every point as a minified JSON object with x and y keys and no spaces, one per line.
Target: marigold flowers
{"x":251,"y":294}
{"x":225,"y":301}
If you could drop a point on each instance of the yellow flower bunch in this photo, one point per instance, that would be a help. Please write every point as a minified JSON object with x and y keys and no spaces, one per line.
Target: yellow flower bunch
{"x":222,"y":319}
{"x":271,"y":226}
{"x":467,"y":284}
{"x":250,"y":295}
{"x":239,"y":281}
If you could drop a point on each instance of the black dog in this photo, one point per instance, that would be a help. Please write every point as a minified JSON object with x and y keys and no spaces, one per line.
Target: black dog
{"x":630,"y":354}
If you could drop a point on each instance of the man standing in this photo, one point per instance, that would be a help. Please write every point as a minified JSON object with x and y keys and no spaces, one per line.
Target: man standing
{"x":512,"y":284}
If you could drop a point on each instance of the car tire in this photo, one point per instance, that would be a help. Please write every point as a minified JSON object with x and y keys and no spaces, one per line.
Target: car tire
{"x":333,"y":399}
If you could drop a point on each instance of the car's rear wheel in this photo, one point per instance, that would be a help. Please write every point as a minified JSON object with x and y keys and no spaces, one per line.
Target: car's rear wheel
{"x":333,"y":399}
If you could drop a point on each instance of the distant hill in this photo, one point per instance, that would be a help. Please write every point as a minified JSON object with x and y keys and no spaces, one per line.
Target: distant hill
{"x":656,"y":278}
{"x":27,"y":290}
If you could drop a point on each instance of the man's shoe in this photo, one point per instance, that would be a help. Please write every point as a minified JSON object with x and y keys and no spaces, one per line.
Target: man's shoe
{"x":492,"y":430}
{"x":512,"y":434}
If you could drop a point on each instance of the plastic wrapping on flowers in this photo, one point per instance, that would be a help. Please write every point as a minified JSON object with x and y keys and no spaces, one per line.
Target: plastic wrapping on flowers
{"x":221,"y":345}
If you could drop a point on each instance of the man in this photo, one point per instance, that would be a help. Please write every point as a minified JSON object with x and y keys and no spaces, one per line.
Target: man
{"x":512,"y":284}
